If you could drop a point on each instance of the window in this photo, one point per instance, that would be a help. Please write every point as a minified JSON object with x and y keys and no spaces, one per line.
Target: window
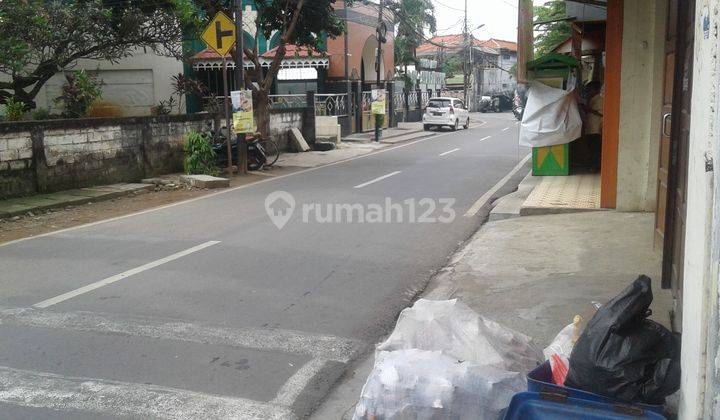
{"x":459,"y":104}
{"x":506,"y":56}
{"x":439,"y":103}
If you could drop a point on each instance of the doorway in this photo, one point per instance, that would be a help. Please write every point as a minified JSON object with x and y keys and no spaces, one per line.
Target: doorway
{"x":673,"y":160}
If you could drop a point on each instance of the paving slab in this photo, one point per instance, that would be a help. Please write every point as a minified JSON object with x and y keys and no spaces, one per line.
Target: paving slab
{"x":205,"y":181}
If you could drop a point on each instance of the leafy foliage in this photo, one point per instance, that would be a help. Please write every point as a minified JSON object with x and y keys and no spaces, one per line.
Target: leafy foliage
{"x":184,"y":86}
{"x":163,"y":107}
{"x":305,"y":23}
{"x":412,"y":18}
{"x":40,"y":114}
{"x":14,"y":110}
{"x":78,"y":94}
{"x":199,"y":155}
{"x":452,"y":66}
{"x":552,"y":33}
{"x":41,"y":38}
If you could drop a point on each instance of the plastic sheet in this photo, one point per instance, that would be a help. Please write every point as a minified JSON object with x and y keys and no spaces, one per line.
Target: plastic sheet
{"x":457,"y":331}
{"x":418,"y":384}
{"x":551,"y":117}
{"x":443,"y":360}
{"x":622,"y":354}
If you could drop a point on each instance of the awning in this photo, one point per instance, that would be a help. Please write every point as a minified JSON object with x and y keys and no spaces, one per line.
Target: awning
{"x":295,"y":58}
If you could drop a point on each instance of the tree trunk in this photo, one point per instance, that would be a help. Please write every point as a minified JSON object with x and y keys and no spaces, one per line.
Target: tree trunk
{"x":263,"y":113}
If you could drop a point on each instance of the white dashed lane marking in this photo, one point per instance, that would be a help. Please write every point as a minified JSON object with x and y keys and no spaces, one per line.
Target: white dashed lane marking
{"x":449,"y":151}
{"x":380,"y":178}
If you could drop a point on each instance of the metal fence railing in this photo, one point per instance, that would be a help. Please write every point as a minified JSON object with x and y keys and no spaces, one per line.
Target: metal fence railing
{"x":288,"y":101}
{"x":332,"y":104}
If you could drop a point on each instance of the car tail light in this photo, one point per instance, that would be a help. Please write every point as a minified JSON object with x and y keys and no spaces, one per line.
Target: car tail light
{"x":452,"y":111}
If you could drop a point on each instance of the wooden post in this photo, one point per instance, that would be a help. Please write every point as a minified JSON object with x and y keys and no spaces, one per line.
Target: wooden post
{"x":611,"y":106}
{"x":525,"y":39}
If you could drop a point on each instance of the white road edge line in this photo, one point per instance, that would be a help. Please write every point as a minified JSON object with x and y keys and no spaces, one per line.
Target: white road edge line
{"x":229,"y":190}
{"x":449,"y":151}
{"x":98,"y":284}
{"x":327,"y":347}
{"x":126,"y":399}
{"x":380,"y":178}
{"x":485,"y":138}
{"x":480,"y":203}
{"x":294,"y":386}
{"x":506,"y":129}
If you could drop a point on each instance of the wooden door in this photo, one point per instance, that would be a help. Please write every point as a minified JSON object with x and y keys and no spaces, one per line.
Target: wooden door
{"x":675,"y":210}
{"x":664,"y":161}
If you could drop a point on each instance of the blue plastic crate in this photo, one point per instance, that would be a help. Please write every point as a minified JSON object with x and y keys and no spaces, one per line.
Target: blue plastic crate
{"x":540,"y":380}
{"x":548,"y":406}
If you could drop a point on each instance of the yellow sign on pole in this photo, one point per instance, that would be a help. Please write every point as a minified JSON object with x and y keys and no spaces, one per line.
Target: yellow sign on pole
{"x":219,"y":35}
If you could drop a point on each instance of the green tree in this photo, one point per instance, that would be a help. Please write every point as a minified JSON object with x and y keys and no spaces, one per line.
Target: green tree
{"x":304,"y":23}
{"x":41,"y":38}
{"x":452,"y":66}
{"x":412,"y":17}
{"x":551,"y":34}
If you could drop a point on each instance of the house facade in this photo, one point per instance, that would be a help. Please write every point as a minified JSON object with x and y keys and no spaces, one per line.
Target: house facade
{"x":660,"y":142}
{"x":498,"y":76}
{"x":492,"y":61}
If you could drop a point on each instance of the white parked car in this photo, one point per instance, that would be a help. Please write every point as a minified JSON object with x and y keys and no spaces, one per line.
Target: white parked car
{"x":450,"y":112}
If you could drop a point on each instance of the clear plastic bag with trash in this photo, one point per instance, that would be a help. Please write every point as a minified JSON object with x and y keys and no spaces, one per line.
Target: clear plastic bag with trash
{"x":443,"y":360}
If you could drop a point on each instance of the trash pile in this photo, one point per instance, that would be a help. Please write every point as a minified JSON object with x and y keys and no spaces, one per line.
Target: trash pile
{"x":444,"y":361}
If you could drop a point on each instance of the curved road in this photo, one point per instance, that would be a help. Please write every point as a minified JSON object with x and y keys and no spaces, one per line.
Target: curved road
{"x":205,"y":309}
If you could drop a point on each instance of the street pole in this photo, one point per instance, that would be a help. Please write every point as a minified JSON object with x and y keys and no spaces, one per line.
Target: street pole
{"x":377,"y":66}
{"x":348,"y":87}
{"x":228,"y":120}
{"x":240,"y":80}
{"x":467,"y":56}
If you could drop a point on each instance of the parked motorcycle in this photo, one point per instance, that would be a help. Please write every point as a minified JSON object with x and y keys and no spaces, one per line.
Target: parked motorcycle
{"x":260,"y":153}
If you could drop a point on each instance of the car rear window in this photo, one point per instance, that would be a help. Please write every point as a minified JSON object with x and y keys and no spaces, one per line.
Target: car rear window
{"x":439,"y":103}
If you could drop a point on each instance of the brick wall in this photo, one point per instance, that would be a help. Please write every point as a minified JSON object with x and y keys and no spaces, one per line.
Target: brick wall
{"x":55,"y":155}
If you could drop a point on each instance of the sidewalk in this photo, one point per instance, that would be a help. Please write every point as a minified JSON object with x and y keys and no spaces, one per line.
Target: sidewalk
{"x":533,"y":274}
{"x":40,"y":202}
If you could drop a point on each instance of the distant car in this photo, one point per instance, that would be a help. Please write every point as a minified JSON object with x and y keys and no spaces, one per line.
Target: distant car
{"x":449,"y":112}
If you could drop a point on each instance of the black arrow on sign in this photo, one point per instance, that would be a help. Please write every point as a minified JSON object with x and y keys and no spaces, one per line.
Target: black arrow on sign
{"x":220,"y":34}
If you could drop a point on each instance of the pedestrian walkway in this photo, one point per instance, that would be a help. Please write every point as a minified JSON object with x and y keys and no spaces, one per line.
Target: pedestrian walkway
{"x":534,"y":273}
{"x":40,"y":202}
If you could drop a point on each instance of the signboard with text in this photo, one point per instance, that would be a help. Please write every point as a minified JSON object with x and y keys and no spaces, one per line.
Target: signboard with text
{"x":242,"y":111}
{"x":378,"y":101}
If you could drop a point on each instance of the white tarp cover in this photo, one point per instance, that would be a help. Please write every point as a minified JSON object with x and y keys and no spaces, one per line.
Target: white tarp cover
{"x":551,"y":117}
{"x":445,"y":361}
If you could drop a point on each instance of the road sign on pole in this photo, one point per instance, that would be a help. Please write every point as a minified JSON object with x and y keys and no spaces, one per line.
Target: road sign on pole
{"x":219,"y":35}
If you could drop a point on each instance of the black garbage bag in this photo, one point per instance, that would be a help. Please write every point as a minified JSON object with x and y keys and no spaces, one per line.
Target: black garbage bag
{"x":621,"y":354}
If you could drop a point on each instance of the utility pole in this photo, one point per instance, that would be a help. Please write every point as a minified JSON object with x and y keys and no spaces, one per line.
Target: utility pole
{"x":240,"y":81}
{"x":380,"y":36}
{"x":348,"y":87}
{"x":466,"y":65}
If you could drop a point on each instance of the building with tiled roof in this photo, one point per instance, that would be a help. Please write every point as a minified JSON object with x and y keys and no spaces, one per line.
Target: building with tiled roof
{"x":494,"y":57}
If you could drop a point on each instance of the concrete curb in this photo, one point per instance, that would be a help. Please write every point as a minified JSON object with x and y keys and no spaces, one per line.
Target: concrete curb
{"x":384,"y":137}
{"x":37,"y":203}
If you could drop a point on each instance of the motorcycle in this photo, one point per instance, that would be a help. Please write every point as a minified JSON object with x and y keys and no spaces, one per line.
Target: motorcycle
{"x":260,"y":153}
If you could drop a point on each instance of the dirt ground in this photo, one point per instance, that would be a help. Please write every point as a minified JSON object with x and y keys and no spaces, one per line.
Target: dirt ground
{"x":62,"y":218}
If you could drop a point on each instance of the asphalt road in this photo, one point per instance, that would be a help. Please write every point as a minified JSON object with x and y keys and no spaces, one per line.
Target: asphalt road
{"x":205,"y":309}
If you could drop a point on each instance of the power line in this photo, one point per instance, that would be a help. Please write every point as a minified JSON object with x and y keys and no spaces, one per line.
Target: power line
{"x":448,"y":7}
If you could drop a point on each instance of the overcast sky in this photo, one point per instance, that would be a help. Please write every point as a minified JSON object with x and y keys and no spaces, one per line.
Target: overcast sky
{"x":499,"y":17}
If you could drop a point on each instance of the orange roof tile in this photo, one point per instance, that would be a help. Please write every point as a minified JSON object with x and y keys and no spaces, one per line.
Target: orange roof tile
{"x":499,"y":44}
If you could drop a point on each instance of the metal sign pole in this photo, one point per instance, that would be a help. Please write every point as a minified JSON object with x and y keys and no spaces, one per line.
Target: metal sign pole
{"x":228,"y":121}
{"x":240,"y":80}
